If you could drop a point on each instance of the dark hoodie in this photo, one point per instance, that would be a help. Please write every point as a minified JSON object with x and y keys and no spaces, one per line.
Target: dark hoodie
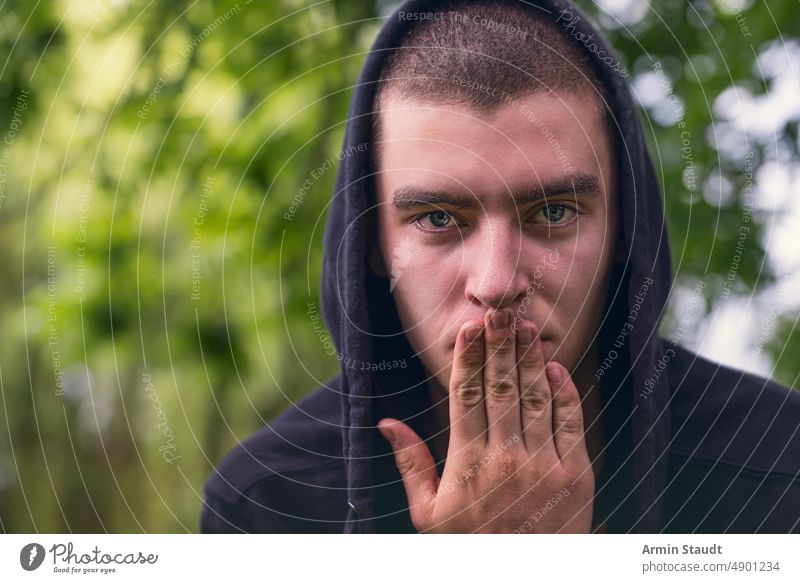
{"x":692,"y":446}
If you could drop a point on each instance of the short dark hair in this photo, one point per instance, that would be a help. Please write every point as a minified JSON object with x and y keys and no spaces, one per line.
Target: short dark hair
{"x":482,"y":54}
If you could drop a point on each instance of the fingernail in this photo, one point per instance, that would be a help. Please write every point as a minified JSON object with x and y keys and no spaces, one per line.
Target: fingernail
{"x":525,"y":336}
{"x":472,"y":334}
{"x":500,"y":320}
{"x":554,"y":374}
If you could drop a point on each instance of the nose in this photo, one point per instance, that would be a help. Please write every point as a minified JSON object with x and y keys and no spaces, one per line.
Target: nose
{"x":495,"y":267}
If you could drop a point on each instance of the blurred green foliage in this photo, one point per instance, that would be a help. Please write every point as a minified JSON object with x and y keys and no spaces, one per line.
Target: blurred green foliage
{"x":154,"y":298}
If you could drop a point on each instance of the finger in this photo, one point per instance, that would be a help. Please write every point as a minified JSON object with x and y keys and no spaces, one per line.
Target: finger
{"x":467,"y":413}
{"x":416,"y":466}
{"x":500,"y":377}
{"x":535,"y":399}
{"x":567,"y":418}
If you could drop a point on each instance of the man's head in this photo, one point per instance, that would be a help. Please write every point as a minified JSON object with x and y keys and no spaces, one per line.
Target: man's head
{"x":495,"y":182}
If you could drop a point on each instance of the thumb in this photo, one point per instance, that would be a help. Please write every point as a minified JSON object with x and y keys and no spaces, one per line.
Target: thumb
{"x":416,"y":466}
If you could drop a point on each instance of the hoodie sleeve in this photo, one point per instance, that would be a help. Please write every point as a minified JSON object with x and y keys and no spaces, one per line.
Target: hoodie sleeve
{"x":287,"y":477}
{"x":276,"y":505}
{"x":221,"y":517}
{"x":250,"y":513}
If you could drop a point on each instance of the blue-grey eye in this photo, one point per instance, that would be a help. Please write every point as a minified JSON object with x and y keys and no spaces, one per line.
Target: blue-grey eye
{"x":554,"y":212}
{"x":439,"y":219}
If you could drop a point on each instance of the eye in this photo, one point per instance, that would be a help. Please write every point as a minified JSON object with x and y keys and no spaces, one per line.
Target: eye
{"x":435,"y":221}
{"x":556,"y":214}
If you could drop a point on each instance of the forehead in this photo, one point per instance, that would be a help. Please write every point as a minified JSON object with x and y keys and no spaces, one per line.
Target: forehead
{"x":536,"y":138}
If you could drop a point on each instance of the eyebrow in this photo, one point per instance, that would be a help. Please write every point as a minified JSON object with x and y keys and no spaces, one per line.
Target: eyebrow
{"x":409,"y":197}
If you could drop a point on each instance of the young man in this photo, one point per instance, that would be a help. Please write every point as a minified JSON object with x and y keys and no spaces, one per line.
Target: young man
{"x":502,"y":237}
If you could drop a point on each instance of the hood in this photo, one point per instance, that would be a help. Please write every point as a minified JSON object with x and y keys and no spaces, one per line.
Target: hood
{"x":360,"y":314}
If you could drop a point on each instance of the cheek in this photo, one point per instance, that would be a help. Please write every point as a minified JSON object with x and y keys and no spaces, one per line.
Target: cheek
{"x":587,"y":269}
{"x":584,"y":290}
{"x":423,"y":274}
{"x":426,"y":287}
{"x":592,"y":246}
{"x":579,"y":279}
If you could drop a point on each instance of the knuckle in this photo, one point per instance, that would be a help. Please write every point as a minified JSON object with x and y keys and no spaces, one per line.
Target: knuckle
{"x":502,"y":347}
{"x":470,"y":456}
{"x":468,"y":475}
{"x":530,"y":368}
{"x":571,"y":422}
{"x":469,"y":393}
{"x":472,"y":360}
{"x":534,"y":399}
{"x":532,"y":356}
{"x":469,"y":377}
{"x":506,"y":466}
{"x":471,"y":466}
{"x":566,"y":396}
{"x":405,"y":464}
{"x":502,"y":387}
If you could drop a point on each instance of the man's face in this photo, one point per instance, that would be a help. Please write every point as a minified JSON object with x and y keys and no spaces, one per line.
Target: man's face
{"x":477,"y":212}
